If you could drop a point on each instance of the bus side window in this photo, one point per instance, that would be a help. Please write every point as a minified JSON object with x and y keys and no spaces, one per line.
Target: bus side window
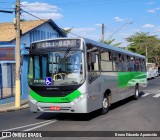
{"x":93,"y":62}
{"x":125,"y":63}
{"x":128,"y":63}
{"x":117,"y":62}
{"x":143,"y":65}
{"x":132,"y":64}
{"x":137,"y":63}
{"x":106,"y":63}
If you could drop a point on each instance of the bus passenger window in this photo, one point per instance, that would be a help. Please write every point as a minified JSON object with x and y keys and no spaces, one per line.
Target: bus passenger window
{"x":137,"y":63}
{"x":117,"y":62}
{"x":106,"y":63}
{"x":125,"y":63}
{"x":132,"y":64}
{"x":143,"y":65}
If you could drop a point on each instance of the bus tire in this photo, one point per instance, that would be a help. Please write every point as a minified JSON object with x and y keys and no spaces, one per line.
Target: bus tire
{"x":136,"y":95}
{"x":105,"y":105}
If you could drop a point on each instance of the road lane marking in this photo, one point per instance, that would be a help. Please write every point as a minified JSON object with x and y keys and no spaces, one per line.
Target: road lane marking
{"x":40,"y":126}
{"x":26,"y":125}
{"x":156,"y":96}
{"x":146,"y":94}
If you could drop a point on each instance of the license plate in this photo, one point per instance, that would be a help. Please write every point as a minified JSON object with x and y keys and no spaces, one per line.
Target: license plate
{"x":55,"y":108}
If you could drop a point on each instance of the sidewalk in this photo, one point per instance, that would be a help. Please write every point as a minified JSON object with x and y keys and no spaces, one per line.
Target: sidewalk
{"x":8,"y":107}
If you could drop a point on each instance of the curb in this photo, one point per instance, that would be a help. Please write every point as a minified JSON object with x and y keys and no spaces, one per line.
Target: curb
{"x":14,"y":109}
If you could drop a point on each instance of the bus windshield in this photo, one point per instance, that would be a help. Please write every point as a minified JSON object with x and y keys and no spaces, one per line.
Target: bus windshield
{"x":63,"y":67}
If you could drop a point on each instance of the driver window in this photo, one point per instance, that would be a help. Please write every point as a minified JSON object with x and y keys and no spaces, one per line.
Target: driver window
{"x":93,"y":62}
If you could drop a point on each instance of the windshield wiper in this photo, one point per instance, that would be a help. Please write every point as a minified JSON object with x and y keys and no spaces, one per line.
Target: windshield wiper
{"x":66,"y":52}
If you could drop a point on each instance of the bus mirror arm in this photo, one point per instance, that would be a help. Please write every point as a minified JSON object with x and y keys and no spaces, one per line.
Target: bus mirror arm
{"x":89,"y":77}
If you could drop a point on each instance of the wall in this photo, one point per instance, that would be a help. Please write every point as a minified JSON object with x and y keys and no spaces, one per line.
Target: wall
{"x":45,"y":31}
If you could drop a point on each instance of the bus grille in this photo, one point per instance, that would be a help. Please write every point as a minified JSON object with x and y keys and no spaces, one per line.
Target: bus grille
{"x":54,"y":93}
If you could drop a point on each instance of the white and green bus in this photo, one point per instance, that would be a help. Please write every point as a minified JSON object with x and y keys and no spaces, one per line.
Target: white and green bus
{"x":78,"y":75}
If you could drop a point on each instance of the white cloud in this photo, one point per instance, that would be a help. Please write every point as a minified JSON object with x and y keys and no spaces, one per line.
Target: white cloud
{"x":83,"y":29}
{"x":98,"y":25}
{"x":158,"y":29}
{"x":87,"y":32}
{"x":135,"y":30}
{"x":150,"y":3}
{"x":41,"y":10}
{"x":148,"y":26}
{"x":118,"y":19}
{"x":153,"y":10}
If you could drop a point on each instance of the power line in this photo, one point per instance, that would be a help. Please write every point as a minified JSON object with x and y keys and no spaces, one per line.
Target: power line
{"x":31,"y":14}
{"x":6,"y":11}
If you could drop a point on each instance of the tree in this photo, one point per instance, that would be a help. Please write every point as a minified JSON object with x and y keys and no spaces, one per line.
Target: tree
{"x":140,"y":42}
{"x":67,"y":31}
{"x":110,"y":42}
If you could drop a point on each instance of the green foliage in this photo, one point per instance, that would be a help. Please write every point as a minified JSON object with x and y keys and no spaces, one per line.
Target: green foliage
{"x":111,"y":42}
{"x":66,"y":31}
{"x":141,"y":41}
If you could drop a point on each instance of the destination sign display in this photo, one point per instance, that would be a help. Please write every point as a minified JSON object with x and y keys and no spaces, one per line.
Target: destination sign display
{"x":69,"y":43}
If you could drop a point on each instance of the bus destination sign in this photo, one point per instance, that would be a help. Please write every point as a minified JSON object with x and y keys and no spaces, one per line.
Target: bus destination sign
{"x":69,"y":43}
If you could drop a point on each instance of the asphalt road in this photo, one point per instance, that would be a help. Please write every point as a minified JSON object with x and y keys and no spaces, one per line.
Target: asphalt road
{"x":127,"y":115}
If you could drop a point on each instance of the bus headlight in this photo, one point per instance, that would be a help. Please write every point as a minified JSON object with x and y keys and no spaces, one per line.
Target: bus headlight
{"x":32,"y":100}
{"x":80,"y":98}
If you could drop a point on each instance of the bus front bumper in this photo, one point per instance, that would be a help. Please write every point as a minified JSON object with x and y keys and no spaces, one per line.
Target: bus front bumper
{"x":72,"y":107}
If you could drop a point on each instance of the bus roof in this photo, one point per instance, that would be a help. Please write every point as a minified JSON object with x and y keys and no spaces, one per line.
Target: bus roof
{"x":109,"y":47}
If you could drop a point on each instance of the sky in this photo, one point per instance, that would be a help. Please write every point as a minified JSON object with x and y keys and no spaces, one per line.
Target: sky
{"x":122,"y":18}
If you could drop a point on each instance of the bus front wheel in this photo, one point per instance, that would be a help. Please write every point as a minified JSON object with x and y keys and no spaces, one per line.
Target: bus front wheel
{"x":105,"y":105}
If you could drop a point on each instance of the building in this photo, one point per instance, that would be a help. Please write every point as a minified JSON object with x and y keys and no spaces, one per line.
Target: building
{"x":30,"y":31}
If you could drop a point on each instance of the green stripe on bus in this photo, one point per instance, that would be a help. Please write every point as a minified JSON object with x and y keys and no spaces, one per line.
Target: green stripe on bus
{"x":70,"y":97}
{"x":126,"y":79}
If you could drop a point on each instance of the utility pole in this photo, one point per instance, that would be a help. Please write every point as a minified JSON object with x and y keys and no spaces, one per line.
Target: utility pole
{"x":146,"y":54}
{"x":103,"y":32}
{"x":18,"y":83}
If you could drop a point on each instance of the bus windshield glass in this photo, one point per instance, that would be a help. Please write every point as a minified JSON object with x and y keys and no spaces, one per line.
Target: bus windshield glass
{"x":56,"y":68}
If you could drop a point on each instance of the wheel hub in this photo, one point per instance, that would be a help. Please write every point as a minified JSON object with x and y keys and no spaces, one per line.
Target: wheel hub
{"x":105,"y":103}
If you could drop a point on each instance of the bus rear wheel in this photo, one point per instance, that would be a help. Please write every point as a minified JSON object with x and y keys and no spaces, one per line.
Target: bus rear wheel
{"x":136,"y":95}
{"x":105,"y":105}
